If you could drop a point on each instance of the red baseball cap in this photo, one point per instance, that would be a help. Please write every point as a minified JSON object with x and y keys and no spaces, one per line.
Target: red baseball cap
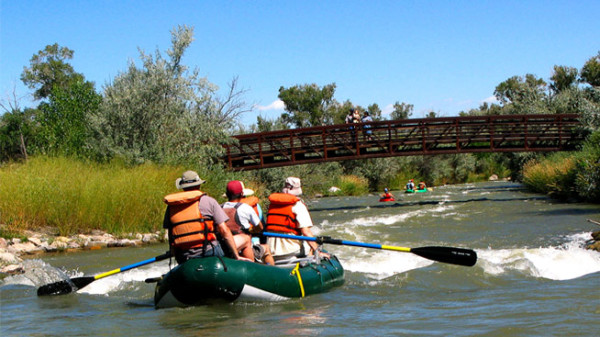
{"x":236,"y":187}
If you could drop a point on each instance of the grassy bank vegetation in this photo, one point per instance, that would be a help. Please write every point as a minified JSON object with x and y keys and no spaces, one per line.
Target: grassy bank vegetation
{"x":72,"y":196}
{"x":568,"y":176}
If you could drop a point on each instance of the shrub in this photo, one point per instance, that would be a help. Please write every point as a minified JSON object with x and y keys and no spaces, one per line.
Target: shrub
{"x":554,"y":175}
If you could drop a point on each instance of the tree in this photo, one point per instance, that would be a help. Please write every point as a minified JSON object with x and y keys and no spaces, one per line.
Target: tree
{"x":48,"y":68}
{"x":65,"y":119}
{"x":522,"y":95}
{"x":563,"y":78}
{"x":402,"y":111}
{"x":265,"y":125}
{"x":431,"y":114}
{"x":307,"y":105}
{"x":374,"y":111}
{"x":164,"y":112}
{"x":590,"y":73}
{"x":17,"y":132}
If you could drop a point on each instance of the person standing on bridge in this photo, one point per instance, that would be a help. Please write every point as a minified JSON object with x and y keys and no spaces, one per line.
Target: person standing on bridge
{"x":367,"y":127}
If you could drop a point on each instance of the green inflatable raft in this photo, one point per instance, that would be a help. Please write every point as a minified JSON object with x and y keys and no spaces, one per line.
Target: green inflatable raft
{"x":416,"y":191}
{"x":207,"y":280}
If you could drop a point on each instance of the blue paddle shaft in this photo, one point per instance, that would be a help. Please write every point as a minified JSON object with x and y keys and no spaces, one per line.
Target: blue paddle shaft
{"x":324,"y":239}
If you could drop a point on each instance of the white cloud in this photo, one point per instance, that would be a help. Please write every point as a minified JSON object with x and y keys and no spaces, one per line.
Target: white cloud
{"x":276,"y":105}
{"x":387,"y":110}
{"x":491,"y":99}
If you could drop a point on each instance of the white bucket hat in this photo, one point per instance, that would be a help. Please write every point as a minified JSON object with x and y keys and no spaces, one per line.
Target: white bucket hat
{"x":292,"y":186}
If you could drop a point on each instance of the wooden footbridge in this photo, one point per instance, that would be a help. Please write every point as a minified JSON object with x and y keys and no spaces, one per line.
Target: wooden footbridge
{"x":407,"y":137}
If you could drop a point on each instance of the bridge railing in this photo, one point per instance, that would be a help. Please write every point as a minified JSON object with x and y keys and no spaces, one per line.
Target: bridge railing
{"x":425,"y":136}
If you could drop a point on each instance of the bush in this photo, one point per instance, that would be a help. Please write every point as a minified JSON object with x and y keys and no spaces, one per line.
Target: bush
{"x":554,"y":175}
{"x":353,"y":185}
{"x":587,"y":171}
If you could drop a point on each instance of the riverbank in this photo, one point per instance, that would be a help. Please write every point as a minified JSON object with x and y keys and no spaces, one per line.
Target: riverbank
{"x":31,"y":244}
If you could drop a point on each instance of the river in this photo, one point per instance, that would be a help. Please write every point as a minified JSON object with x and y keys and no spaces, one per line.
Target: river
{"x":532,"y":278}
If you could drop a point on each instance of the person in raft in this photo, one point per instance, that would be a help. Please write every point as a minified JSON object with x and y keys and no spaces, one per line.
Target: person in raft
{"x":262,"y":253}
{"x":195,"y":222}
{"x":386,"y":194}
{"x":422,"y":186}
{"x":244,"y":220}
{"x":410,"y":185}
{"x":287,"y":214}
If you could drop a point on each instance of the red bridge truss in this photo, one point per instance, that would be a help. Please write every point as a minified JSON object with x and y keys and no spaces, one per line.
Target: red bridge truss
{"x":407,"y":137}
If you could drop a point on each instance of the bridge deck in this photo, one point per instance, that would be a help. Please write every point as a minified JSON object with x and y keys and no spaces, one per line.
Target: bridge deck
{"x":427,"y":136}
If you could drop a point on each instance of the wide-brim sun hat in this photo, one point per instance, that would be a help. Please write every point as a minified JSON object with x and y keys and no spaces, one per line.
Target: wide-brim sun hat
{"x":188,"y":179}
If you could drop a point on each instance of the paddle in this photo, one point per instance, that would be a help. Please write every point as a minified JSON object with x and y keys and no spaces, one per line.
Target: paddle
{"x":459,"y":256}
{"x":70,"y":285}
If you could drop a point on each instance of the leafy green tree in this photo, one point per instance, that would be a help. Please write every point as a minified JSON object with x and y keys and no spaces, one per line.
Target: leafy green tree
{"x":374,"y":111}
{"x":563,"y":78}
{"x":590,"y":73}
{"x":307,"y":105}
{"x":402,"y":111}
{"x":65,"y":119}
{"x":17,"y":133}
{"x":522,"y":95}
{"x":48,"y":68}
{"x":431,"y":114}
{"x":265,"y":125}
{"x":340,"y":111}
{"x":165,"y":112}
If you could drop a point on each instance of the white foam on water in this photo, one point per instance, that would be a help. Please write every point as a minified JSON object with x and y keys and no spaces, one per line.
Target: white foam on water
{"x":384,"y":264}
{"x":564,"y":262}
{"x":118,"y":281}
{"x":386,"y":219}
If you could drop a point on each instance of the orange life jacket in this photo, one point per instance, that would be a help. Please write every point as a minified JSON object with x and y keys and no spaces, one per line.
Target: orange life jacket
{"x":280,"y":217}
{"x":234,"y":220}
{"x":189,"y":229}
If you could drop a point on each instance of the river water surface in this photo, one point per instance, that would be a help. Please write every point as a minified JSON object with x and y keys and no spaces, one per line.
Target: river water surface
{"x":532,"y":278}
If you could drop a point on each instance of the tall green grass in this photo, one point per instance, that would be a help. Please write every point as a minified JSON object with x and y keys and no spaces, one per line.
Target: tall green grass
{"x":553,"y":175}
{"x":72,"y":196}
{"x":353,"y":185}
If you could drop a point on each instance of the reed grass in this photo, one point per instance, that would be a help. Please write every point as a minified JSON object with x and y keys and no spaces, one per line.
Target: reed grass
{"x":553,"y":175}
{"x":73,"y":197}
{"x":353,"y":185}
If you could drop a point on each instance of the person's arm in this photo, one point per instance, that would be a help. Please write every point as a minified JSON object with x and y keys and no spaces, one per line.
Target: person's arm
{"x":256,"y":225}
{"x":305,"y":231}
{"x":167,"y":225}
{"x":227,"y":238}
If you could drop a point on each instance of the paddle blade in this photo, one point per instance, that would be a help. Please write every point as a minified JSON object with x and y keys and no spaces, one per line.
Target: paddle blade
{"x":65,"y":286}
{"x":459,"y":256}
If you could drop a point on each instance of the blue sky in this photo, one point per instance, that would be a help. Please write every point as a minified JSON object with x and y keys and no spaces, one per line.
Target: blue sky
{"x":444,"y":56}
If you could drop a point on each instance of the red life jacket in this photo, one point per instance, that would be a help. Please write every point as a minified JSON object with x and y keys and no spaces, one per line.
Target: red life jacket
{"x":234,"y":220}
{"x":189,"y":229}
{"x":280,"y":217}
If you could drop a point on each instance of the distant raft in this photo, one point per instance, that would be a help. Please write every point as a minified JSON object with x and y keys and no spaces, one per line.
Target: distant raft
{"x":416,"y":191}
{"x":383,"y":199}
{"x":212,"y":279}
